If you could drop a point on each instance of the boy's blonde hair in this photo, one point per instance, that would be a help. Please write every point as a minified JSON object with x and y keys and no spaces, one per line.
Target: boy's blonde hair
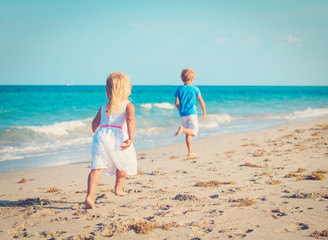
{"x":187,"y":75}
{"x":117,"y":91}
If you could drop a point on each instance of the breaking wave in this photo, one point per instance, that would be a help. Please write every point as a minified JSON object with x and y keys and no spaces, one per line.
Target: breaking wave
{"x":164,"y":105}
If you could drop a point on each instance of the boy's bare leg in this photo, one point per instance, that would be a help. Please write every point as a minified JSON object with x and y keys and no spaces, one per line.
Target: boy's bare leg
{"x":189,"y":146}
{"x":92,"y":184}
{"x":120,"y":176}
{"x":181,"y":129}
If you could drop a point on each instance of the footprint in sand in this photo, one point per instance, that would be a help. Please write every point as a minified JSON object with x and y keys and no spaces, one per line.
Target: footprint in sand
{"x":214,"y":196}
{"x":277,"y":213}
{"x":292,"y":227}
{"x":164,"y":206}
{"x":19,"y":231}
{"x":33,"y":202}
{"x":52,"y":234}
{"x":185,"y":197}
{"x":213,"y":213}
{"x":234,"y":233}
{"x":35,"y":212}
{"x":60,"y":219}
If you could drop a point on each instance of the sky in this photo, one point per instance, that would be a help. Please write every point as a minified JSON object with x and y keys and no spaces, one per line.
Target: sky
{"x":241,"y":42}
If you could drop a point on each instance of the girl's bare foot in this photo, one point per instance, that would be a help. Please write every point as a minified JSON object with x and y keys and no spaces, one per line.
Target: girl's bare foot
{"x":89,"y":204}
{"x":120,"y":193}
{"x":180,"y":130}
{"x":192,"y":154}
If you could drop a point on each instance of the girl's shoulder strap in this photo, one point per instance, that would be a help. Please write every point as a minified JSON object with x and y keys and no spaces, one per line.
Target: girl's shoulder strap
{"x":123,"y":105}
{"x":126,"y":103}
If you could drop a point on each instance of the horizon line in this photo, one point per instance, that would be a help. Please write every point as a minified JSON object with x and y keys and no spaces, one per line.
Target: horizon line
{"x":143,"y":85}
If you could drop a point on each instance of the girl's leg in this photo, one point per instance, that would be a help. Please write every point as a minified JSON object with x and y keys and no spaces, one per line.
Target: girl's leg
{"x":189,"y":146}
{"x":120,"y":176}
{"x":92,"y":184}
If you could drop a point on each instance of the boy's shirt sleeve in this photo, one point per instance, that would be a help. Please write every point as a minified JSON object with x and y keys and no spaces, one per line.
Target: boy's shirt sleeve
{"x":197,"y":91}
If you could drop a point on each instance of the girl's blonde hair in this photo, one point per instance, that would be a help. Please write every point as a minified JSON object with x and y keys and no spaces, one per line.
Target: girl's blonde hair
{"x":117,"y":91}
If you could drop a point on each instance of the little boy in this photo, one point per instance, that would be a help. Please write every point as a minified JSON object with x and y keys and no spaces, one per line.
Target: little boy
{"x":185,"y":101}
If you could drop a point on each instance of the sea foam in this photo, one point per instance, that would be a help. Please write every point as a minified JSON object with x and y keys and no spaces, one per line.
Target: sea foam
{"x":146,"y":105}
{"x":150,"y":131}
{"x":308,"y":113}
{"x":46,"y":147}
{"x":164,"y":105}
{"x":59,"y":128}
{"x":215,"y":120}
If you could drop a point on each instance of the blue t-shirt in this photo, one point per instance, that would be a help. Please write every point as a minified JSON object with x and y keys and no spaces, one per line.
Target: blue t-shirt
{"x":187,"y":95}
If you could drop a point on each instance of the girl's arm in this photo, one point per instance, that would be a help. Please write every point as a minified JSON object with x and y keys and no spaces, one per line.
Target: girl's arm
{"x":131,"y":123}
{"x":96,"y":122}
{"x":177,"y":103}
{"x":202,"y":105}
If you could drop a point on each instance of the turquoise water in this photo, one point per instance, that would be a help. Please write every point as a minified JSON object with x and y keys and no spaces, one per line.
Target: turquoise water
{"x":50,"y":125}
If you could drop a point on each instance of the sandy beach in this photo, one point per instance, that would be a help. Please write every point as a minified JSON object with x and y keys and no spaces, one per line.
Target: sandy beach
{"x":268,"y":184}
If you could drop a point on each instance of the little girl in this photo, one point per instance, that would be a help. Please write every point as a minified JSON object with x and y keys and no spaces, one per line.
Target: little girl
{"x":112,"y":148}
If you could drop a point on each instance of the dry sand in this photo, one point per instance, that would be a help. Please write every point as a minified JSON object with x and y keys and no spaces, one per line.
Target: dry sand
{"x":235,"y":188}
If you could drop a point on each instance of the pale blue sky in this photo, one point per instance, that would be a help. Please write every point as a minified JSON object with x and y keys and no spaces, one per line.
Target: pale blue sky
{"x":226,"y":42}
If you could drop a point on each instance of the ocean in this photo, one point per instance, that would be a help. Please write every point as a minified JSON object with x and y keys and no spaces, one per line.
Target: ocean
{"x":43,"y":126}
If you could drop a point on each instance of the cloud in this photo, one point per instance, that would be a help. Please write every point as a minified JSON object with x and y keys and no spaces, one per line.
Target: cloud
{"x":222,"y":40}
{"x":293,"y":39}
{"x":288,"y":41}
{"x":252,"y":40}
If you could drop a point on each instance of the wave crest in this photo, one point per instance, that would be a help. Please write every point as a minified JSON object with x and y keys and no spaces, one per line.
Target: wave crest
{"x":308,"y":113}
{"x":215,"y":120}
{"x":150,"y":131}
{"x":48,"y":147}
{"x":146,"y":105}
{"x":59,"y":128}
{"x":164,"y":105}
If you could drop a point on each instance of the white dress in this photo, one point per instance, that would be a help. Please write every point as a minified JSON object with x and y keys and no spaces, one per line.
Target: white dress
{"x":107,"y":142}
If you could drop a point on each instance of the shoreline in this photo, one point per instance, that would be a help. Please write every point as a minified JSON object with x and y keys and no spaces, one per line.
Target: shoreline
{"x":86,"y":153}
{"x":235,"y":187}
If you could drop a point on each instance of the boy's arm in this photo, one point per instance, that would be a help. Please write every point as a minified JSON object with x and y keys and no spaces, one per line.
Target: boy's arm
{"x":96,"y":122}
{"x":177,"y":103}
{"x":131,"y":124}
{"x":202,"y":105}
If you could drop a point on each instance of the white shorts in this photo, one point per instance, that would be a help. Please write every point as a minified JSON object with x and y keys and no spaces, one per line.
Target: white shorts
{"x":190,"y":122}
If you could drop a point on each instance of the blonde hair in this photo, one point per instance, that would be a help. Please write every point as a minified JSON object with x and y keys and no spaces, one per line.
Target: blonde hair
{"x":117,"y":91}
{"x":187,"y":75}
